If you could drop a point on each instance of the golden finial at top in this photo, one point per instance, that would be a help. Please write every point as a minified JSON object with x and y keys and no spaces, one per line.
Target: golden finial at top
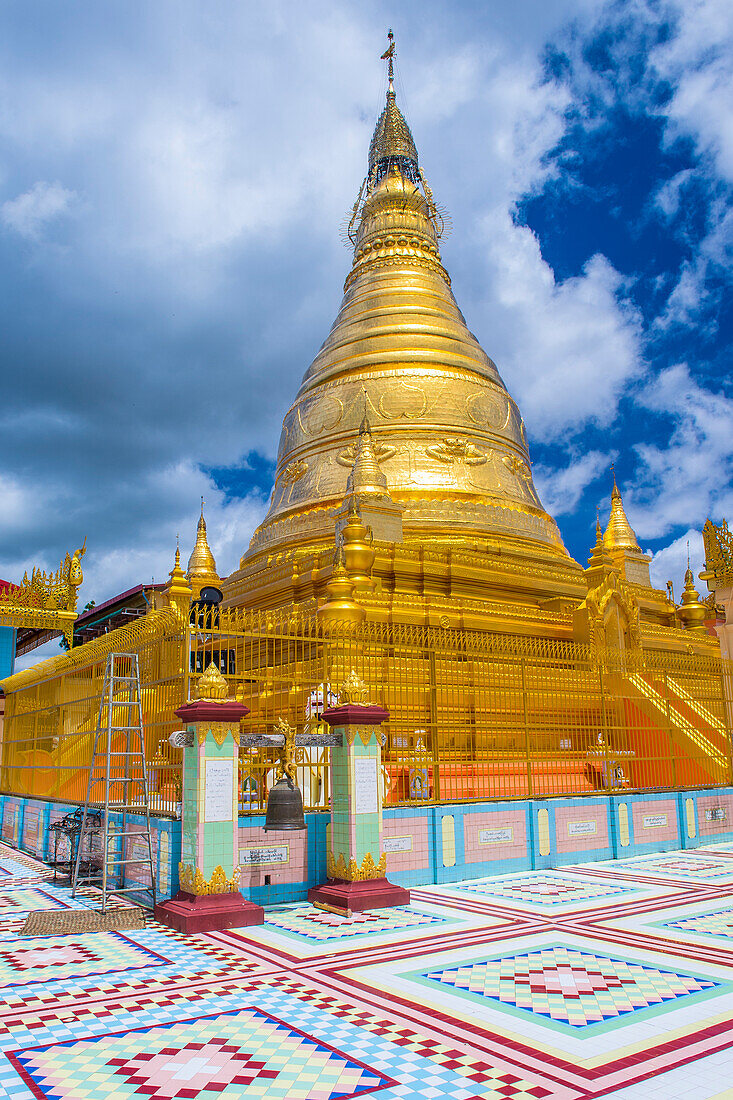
{"x":211,"y":686}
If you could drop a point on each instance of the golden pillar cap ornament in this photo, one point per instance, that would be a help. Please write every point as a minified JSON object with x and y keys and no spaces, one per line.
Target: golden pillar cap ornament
{"x":442,"y":430}
{"x":212,"y":686}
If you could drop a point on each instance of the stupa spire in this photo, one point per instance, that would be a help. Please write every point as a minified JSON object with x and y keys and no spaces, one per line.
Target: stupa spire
{"x":201,"y":565}
{"x":619,"y":534}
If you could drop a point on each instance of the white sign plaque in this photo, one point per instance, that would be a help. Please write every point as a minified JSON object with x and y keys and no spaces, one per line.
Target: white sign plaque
{"x":219,"y":790}
{"x":496,"y":836}
{"x":582,"y":828}
{"x":278,"y":853}
{"x":366,"y":791}
{"x":718,"y":813}
{"x":396,"y":843}
{"x":654,"y":821}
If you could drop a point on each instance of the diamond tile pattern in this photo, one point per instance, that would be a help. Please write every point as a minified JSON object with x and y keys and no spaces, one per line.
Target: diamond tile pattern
{"x":317,"y":925}
{"x":258,"y":1013}
{"x":719,"y":923}
{"x":55,"y":958}
{"x":544,"y":889}
{"x":240,"y":1054}
{"x":571,"y":986}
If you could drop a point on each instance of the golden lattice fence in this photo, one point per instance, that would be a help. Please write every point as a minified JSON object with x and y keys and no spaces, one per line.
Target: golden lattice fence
{"x":473,"y":715}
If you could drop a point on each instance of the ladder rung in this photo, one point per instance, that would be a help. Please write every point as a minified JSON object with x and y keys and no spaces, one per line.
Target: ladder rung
{"x":125,"y":835}
{"x":125,"y":862}
{"x":131,"y":889}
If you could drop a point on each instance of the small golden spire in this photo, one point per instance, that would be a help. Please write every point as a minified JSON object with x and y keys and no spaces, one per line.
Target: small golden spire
{"x":201,"y":565}
{"x":340,"y":607}
{"x":177,"y":589}
{"x":366,"y":479}
{"x":619,"y":534}
{"x":691,"y":610}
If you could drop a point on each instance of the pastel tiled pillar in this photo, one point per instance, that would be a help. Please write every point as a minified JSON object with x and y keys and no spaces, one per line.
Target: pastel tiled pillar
{"x":355,"y":860}
{"x":209,"y":898}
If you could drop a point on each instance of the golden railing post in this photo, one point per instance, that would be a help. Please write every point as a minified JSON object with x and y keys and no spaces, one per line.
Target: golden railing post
{"x":527,"y":746}
{"x":434,"y":726}
{"x":669,"y":731}
{"x":604,"y":723}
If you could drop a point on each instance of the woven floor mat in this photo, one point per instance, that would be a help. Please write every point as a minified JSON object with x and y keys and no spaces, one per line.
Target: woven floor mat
{"x":73,"y":921}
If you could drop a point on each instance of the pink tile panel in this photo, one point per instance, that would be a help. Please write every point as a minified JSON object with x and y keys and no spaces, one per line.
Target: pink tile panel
{"x":417,"y":857}
{"x":296,"y":868}
{"x":649,"y":811}
{"x":716,"y":824}
{"x":506,"y":839}
{"x":581,"y":828}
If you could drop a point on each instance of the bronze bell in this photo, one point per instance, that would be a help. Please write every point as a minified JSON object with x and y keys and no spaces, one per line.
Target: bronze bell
{"x":284,"y":807}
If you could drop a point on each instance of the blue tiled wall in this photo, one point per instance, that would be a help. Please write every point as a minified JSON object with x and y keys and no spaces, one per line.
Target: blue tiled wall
{"x":568,"y":819}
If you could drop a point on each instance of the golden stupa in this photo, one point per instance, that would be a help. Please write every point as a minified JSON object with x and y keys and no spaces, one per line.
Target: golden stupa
{"x":401,"y":376}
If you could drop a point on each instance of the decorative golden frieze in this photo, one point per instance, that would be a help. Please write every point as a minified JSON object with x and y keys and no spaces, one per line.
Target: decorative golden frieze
{"x":219,"y":731}
{"x":192,"y":881}
{"x":352,"y":872}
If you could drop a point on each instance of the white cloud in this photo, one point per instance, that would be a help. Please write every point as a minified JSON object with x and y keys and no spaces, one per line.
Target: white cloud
{"x":670,"y":563}
{"x":560,"y":490}
{"x":568,"y":350}
{"x":696,"y":61}
{"x":30,"y":213}
{"x":688,"y":477}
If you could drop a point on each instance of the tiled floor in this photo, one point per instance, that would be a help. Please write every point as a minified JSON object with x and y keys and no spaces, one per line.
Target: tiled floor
{"x":611,"y":979}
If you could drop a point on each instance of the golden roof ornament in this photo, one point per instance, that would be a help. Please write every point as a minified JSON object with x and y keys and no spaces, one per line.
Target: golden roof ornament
{"x":201,"y":565}
{"x":718,"y":542}
{"x":211,"y":687}
{"x":619,"y":534}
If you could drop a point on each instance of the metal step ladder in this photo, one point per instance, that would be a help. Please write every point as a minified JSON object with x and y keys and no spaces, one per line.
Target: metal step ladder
{"x":117,"y":788}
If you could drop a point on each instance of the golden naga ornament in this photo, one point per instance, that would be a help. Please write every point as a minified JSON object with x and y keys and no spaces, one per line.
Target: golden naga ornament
{"x":286,"y":766}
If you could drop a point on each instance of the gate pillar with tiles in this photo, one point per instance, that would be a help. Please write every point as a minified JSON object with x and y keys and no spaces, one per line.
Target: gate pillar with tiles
{"x":356,"y":863}
{"x":209,"y":899}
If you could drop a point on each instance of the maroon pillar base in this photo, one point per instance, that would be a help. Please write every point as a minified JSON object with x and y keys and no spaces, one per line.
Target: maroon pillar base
{"x":209,"y":913}
{"x":345,"y":898}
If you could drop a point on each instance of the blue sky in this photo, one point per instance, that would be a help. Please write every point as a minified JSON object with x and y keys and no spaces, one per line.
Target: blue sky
{"x":173,"y":177}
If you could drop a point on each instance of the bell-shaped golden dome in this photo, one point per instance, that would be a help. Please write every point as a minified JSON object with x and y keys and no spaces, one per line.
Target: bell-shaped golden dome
{"x":445,"y":435}
{"x":201,"y":565}
{"x":619,"y":534}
